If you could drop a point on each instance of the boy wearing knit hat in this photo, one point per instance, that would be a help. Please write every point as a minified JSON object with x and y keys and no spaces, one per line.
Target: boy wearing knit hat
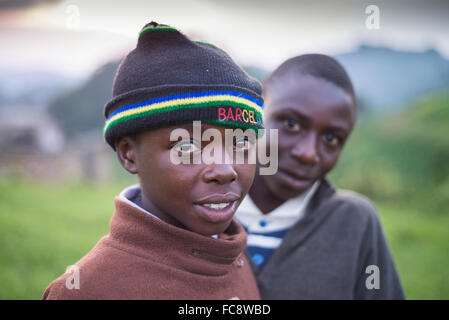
{"x":173,"y":236}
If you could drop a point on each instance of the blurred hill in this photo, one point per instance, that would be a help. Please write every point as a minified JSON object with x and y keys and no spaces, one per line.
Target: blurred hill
{"x":385,"y":80}
{"x":82,"y":109}
{"x":32,"y":88}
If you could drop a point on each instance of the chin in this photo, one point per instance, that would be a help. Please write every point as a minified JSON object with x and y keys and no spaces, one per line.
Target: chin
{"x":288,"y":194}
{"x":284,"y":191}
{"x":211,"y":230}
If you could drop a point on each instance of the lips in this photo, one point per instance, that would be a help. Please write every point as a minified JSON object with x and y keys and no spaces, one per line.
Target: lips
{"x":217,"y":208}
{"x":296,"y":175}
{"x":294,"y":180}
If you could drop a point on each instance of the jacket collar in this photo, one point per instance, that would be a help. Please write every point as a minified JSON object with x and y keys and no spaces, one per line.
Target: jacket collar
{"x":146,"y":236}
{"x":325,"y":190}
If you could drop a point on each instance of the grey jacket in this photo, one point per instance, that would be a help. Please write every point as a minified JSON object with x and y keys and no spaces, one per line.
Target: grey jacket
{"x":337,"y":251}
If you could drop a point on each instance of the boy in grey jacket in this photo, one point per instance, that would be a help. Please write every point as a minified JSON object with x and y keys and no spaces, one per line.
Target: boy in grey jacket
{"x":306,"y":239}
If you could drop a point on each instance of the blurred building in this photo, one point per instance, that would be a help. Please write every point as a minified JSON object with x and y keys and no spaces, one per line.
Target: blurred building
{"x":33,"y":146}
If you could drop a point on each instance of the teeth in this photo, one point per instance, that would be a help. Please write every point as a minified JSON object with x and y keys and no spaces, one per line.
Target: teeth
{"x":217,"y":206}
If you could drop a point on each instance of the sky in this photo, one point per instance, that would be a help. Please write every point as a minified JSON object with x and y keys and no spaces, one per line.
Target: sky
{"x":76,"y":37}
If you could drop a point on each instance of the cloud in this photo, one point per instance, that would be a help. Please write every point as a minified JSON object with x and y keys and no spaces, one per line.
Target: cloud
{"x":22,"y":4}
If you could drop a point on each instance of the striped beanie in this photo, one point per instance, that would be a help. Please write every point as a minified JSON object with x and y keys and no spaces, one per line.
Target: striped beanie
{"x":169,"y":79}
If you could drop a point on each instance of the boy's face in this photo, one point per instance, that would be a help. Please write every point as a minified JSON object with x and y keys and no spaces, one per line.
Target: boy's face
{"x":314,"y":118}
{"x":186,"y":195}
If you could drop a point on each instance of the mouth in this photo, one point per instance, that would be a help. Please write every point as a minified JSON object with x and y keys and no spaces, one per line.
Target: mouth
{"x":294,"y":180}
{"x":217,"y":208}
{"x":298,"y":176}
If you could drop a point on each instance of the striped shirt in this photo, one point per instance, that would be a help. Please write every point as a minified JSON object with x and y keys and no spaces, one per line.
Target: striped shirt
{"x":266,"y":231}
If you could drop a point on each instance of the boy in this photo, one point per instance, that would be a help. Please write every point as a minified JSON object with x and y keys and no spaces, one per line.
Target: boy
{"x":173,"y":236}
{"x":306,"y":239}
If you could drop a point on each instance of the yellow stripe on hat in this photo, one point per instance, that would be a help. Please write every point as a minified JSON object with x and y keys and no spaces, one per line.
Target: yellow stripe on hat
{"x":194,"y":100}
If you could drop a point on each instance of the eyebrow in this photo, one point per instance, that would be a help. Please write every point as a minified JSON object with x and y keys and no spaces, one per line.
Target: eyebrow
{"x":340,"y":130}
{"x":306,"y":118}
{"x":290,"y":110}
{"x":189,"y":127}
{"x":186,"y":126}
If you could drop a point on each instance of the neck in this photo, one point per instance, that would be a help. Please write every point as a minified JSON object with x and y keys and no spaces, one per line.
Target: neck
{"x":150,"y":207}
{"x":262,"y":197}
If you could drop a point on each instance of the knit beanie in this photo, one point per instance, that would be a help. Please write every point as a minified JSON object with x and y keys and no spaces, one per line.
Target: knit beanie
{"x":168,"y":79}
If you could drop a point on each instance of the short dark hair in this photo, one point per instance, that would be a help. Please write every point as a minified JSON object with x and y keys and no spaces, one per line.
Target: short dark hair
{"x":316,"y":65}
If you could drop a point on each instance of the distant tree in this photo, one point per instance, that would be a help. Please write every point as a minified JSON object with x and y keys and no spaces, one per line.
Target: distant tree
{"x":82,"y":109}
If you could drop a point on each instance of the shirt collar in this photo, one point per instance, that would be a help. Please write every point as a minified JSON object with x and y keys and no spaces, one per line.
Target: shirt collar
{"x":285,"y":215}
{"x":131,"y":196}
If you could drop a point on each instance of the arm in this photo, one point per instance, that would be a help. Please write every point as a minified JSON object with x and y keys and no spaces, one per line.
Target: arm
{"x":378,"y":278}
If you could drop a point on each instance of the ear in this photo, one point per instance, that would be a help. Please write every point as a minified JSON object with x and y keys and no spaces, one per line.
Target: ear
{"x":127,"y":154}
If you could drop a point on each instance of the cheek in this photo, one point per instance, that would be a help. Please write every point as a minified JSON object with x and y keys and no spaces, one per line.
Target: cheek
{"x":286,"y":143}
{"x":162,"y":178}
{"x":329,"y":158}
{"x":178,"y":180}
{"x":246,"y":173}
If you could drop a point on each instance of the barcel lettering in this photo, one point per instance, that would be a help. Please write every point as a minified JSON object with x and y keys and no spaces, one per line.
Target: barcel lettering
{"x":238,"y":115}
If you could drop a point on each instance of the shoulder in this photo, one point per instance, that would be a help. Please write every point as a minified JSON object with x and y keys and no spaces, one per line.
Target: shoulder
{"x":63,"y":288}
{"x":91,"y":276}
{"x":355,"y":207}
{"x":358,"y":202}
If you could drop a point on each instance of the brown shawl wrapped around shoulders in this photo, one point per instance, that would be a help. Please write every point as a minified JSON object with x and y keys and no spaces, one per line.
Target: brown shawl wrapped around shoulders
{"x":145,"y":258}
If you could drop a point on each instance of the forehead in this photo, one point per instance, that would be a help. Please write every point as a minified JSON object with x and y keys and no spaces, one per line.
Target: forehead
{"x":311,"y":97}
{"x":165,"y":132}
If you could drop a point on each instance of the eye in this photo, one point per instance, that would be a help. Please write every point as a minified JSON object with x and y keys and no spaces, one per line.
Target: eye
{"x":186,"y":147}
{"x":292,"y":124}
{"x":331,"y":139}
{"x":243,"y":144}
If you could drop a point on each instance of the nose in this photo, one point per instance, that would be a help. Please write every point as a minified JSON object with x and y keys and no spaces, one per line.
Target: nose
{"x":306,"y":150}
{"x":220,"y":173}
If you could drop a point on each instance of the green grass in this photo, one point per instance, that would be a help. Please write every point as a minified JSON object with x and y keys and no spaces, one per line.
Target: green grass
{"x":420,"y":245}
{"x":44,"y":228}
{"x":401,"y":157}
{"x":401,"y":162}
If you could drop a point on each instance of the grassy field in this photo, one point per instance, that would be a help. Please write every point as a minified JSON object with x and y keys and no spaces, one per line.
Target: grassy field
{"x":44,"y":228}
